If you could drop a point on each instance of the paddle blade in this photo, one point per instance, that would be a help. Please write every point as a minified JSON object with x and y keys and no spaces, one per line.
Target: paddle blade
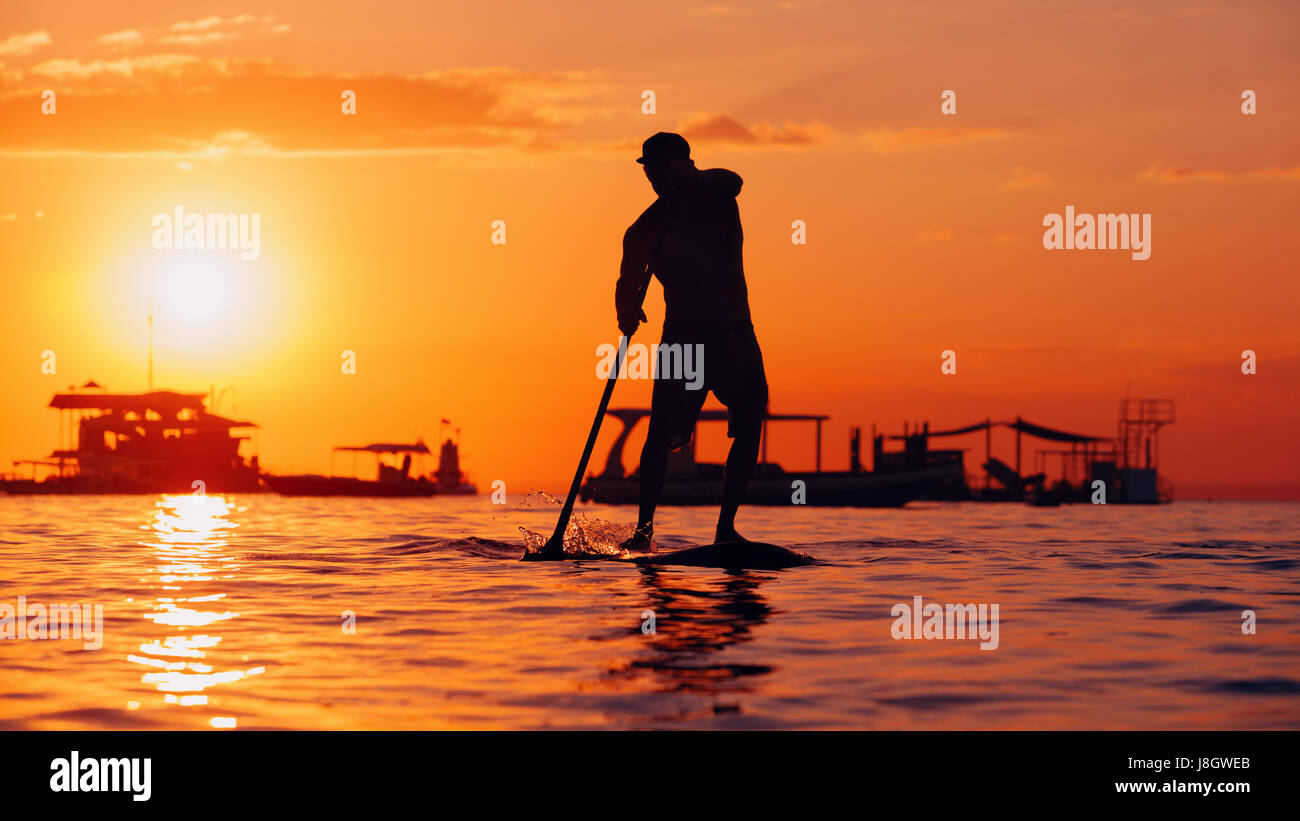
{"x":553,"y":550}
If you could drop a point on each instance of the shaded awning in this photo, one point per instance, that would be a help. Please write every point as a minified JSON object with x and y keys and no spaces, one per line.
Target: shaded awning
{"x":629,"y":415}
{"x":1054,"y":435}
{"x":161,"y":401}
{"x":386,"y":447}
{"x":953,"y":432}
{"x":1024,"y":427}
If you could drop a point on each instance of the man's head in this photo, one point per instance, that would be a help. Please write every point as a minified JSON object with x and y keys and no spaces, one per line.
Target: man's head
{"x":667,"y":161}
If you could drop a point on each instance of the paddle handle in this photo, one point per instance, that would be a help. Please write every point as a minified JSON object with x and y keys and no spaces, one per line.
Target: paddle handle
{"x":567,"y":510}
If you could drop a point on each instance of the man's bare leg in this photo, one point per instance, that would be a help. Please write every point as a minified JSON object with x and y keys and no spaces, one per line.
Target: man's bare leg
{"x":740,"y":467}
{"x":654,"y":464}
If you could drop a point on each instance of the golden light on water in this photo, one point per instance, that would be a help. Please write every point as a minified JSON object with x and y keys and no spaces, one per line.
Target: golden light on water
{"x":196,"y":520}
{"x":190,"y":534}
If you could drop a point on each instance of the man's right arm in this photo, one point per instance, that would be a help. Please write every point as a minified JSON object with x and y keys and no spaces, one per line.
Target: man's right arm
{"x":633,"y":278}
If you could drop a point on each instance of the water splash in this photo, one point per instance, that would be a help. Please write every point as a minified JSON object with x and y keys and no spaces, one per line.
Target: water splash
{"x":585,"y":536}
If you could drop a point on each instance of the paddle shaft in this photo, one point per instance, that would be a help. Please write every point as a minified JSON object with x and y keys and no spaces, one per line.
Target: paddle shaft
{"x":555,"y":546}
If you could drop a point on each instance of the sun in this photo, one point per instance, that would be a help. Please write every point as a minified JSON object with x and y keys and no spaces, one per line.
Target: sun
{"x":194,"y":291}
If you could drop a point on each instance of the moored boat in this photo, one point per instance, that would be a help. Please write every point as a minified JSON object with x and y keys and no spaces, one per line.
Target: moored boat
{"x":689,"y":482}
{"x":390,"y":481}
{"x":152,"y":442}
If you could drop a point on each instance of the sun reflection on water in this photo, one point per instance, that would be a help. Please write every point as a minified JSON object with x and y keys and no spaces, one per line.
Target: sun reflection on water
{"x":190,"y":536}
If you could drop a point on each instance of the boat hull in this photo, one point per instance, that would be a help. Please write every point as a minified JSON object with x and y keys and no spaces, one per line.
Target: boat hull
{"x":313,"y":485}
{"x":120,"y":485}
{"x":839,"y":489}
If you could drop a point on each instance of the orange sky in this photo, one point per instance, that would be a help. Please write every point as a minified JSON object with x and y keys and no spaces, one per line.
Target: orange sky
{"x":924,"y":230}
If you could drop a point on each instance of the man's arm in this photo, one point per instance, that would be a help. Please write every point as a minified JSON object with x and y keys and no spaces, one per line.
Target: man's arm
{"x":633,"y":275}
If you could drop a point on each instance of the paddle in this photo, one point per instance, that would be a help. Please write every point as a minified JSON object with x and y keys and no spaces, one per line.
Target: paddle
{"x":554,"y":548}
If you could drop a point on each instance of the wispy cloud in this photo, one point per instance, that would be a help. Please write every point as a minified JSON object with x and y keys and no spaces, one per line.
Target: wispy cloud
{"x":721,"y":128}
{"x":1022,"y":178}
{"x":889,"y":140}
{"x":19,"y":45}
{"x":201,"y":32}
{"x":188,"y":107}
{"x":198,"y":25}
{"x":125,"y":38}
{"x":717,"y":10}
{"x":1166,"y":174}
{"x":727,"y":10}
{"x":215,"y":29}
{"x":170,"y":65}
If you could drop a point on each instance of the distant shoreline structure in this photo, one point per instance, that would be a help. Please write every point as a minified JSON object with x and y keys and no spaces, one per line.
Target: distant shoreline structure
{"x":1093,"y":469}
{"x":168,"y":442}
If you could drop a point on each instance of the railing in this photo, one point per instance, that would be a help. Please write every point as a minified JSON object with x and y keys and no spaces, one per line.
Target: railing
{"x":1146,"y":410}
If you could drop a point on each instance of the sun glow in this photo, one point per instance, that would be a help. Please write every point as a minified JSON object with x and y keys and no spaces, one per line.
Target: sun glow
{"x":194,"y":291}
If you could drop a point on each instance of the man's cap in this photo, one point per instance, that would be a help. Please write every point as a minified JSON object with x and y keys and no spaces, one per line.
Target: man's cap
{"x":664,"y":147}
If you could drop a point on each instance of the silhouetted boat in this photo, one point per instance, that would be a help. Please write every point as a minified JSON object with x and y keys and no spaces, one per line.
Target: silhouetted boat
{"x":153,"y":442}
{"x":1120,"y":470}
{"x":689,"y":482}
{"x":451,"y":480}
{"x":391,"y":481}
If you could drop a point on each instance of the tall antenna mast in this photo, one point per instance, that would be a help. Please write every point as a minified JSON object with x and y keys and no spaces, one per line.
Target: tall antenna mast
{"x":151,"y":344}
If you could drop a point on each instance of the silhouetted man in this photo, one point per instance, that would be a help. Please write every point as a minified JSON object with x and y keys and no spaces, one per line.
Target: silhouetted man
{"x":690,"y":238}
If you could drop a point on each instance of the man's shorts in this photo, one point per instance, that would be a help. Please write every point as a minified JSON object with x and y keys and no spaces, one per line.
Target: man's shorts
{"x":726,"y":360}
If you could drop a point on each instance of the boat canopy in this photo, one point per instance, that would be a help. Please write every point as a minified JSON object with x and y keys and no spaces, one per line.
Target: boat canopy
{"x":1019,"y":425}
{"x":1048,"y":433}
{"x":954,"y":431}
{"x":161,"y":401}
{"x":385,"y":447}
{"x":167,"y":404}
{"x":631,"y":415}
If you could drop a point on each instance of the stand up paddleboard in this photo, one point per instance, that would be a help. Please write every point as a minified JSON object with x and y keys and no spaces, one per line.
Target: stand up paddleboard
{"x":730,"y":555}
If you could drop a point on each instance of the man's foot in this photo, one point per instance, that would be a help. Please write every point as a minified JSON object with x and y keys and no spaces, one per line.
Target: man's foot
{"x":640,"y":541}
{"x":727,"y":534}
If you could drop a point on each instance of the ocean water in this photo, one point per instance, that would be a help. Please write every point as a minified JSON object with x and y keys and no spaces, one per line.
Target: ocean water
{"x":267,"y":612}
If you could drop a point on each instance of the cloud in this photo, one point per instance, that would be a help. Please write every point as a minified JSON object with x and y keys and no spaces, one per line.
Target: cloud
{"x":20,"y":45}
{"x":1164,"y":174}
{"x":216,"y":30}
{"x":157,"y":65}
{"x":209,"y":30}
{"x":889,"y":140}
{"x":185,"y":107}
{"x":720,"y":128}
{"x":720,"y":10}
{"x":199,"y":39}
{"x":1022,"y":178}
{"x":197,"y":25}
{"x":126,"y":38}
{"x":717,"y":10}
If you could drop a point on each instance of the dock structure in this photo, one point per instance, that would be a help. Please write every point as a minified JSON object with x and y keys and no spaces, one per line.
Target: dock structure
{"x":1127,"y":465}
